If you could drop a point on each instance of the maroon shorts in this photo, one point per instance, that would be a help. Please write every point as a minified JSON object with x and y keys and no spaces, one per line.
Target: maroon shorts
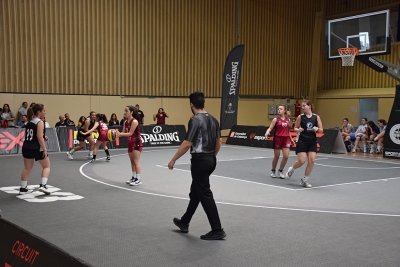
{"x":134,"y":146}
{"x":103,"y":137}
{"x":281,"y":142}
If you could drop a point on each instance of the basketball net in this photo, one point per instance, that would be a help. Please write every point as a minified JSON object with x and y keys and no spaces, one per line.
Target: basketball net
{"x":348,"y":55}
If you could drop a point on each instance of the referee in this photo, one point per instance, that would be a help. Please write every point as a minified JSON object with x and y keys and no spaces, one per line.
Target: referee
{"x":204,"y":140}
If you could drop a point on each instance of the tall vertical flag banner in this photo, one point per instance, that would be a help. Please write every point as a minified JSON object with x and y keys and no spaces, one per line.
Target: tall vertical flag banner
{"x":230,"y":88}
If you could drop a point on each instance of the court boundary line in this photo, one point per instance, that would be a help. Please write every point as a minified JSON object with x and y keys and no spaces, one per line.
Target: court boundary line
{"x":239,"y":204}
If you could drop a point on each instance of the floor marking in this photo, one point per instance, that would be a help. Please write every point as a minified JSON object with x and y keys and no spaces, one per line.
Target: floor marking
{"x":235,"y":179}
{"x":363,"y":168}
{"x":358,"y":182}
{"x":244,"y":205}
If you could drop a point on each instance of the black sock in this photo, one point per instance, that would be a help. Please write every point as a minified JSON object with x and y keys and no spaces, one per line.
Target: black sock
{"x":108,"y":153}
{"x":280,"y":170}
{"x":94,"y":156}
{"x":272,"y":170}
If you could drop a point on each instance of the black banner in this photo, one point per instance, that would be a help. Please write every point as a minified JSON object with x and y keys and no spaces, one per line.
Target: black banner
{"x":18,"y":247}
{"x":12,"y":139}
{"x":255,"y":136}
{"x":230,"y":87}
{"x":152,"y":135}
{"x":372,"y":63}
{"x":391,"y":142}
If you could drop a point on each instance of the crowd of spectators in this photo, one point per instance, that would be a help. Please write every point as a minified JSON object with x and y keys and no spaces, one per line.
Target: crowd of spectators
{"x":367,"y":137}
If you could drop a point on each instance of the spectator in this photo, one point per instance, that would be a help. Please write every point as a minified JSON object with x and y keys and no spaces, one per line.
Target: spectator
{"x":7,"y":117}
{"x":160,"y":116}
{"x":81,"y":121}
{"x":380,"y":137}
{"x":347,"y":129}
{"x":113,"y":121}
{"x":141,"y":114}
{"x":61,"y":123}
{"x":360,"y":134}
{"x":68,"y":121}
{"x":121,"y":122}
{"x":22,"y":110}
{"x":22,"y":123}
{"x":46,"y":124}
{"x":32,"y":104}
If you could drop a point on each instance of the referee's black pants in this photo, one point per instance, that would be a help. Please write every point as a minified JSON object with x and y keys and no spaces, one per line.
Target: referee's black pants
{"x":202,"y":167}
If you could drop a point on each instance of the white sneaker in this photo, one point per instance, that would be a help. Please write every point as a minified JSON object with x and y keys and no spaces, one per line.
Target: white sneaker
{"x":273,"y":175}
{"x":289,"y":173}
{"x":131,"y":180}
{"x":353,"y":150}
{"x":305,"y":184}
{"x":89,"y":156}
{"x":136,"y":182}
{"x":281,"y":175}
{"x":43,"y":189}
{"x":70,"y":155}
{"x":92,"y":160}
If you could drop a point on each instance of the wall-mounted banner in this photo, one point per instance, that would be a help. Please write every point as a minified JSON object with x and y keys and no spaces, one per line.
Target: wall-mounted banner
{"x":12,"y":139}
{"x":152,"y":135}
{"x":255,"y":136}
{"x":230,"y":88}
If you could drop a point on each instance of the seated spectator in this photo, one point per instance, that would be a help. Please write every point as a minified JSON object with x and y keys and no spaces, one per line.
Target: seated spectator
{"x":23,"y":110}
{"x":23,"y":122}
{"x":347,"y":129}
{"x":360,"y":135}
{"x":81,"y":121}
{"x":113,"y":120}
{"x":121,"y":122}
{"x":68,"y":121}
{"x":7,"y":117}
{"x":372,"y":132}
{"x":32,"y":104}
{"x":61,"y":123}
{"x":46,"y":124}
{"x":380,"y":137}
{"x":160,"y":116}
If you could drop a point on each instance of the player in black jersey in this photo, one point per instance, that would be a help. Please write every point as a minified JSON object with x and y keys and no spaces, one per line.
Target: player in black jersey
{"x":34,"y":149}
{"x":89,"y":124}
{"x":307,"y":126}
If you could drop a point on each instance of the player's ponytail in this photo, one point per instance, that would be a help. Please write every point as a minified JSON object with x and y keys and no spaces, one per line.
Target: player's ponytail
{"x":30,"y":114}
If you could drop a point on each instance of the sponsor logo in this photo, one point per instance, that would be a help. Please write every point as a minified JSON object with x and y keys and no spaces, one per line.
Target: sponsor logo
{"x":376,"y":63}
{"x":161,"y":139}
{"x":395,"y":134}
{"x":233,"y":78}
{"x":157,"y":129}
{"x":252,"y":135}
{"x":309,"y":126}
{"x":9,"y":141}
{"x":239,"y":135}
{"x":37,"y":196}
{"x":392,"y":154}
{"x":232,"y":134}
{"x":25,"y":252}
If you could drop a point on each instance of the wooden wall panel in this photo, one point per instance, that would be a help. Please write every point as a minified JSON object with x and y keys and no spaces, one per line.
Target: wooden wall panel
{"x":278,"y":45}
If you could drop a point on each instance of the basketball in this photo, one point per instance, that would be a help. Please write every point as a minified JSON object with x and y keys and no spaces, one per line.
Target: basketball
{"x":111,"y":135}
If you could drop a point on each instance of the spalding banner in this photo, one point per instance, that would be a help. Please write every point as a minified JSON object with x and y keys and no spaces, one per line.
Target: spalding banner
{"x":391,"y":142}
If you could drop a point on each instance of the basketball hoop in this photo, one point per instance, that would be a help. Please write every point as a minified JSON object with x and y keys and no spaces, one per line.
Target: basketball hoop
{"x":348,"y":55}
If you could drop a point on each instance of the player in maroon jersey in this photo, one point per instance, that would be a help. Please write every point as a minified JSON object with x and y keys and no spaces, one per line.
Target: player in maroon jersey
{"x":282,"y":140}
{"x":132,"y":131}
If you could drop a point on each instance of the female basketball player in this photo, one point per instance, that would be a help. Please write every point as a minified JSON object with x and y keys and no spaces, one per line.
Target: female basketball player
{"x":101,"y":126}
{"x":34,"y":149}
{"x":131,"y":130}
{"x":282,"y":140}
{"x":89,"y":124}
{"x":307,"y":126}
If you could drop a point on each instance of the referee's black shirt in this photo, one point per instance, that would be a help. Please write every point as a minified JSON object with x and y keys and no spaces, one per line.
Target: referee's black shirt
{"x":203,"y":131}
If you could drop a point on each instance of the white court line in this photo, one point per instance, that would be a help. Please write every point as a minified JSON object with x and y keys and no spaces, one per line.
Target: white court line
{"x":245,"y":205}
{"x":362,"y":168}
{"x":360,"y":182}
{"x":235,"y":179}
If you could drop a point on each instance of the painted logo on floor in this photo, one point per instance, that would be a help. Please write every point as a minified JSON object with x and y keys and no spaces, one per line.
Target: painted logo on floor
{"x":37,"y":196}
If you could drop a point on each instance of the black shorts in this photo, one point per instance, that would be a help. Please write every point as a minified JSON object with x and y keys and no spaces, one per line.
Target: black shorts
{"x":306,"y":147}
{"x":32,"y":154}
{"x":82,"y":137}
